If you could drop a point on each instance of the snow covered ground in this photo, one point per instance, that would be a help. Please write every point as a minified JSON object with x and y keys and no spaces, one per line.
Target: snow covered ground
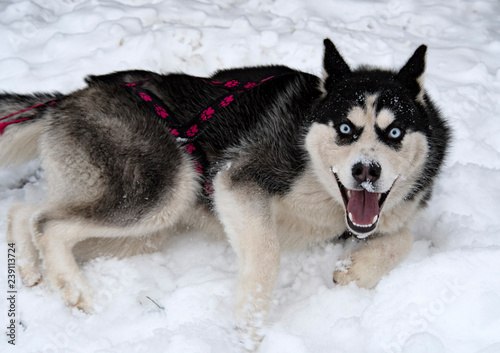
{"x":444,"y":298}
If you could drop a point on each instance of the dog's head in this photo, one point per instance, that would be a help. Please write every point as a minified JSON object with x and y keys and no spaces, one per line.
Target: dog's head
{"x":369,"y":140}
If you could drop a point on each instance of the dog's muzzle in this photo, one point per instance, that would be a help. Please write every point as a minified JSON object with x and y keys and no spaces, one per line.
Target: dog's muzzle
{"x":363,"y":205}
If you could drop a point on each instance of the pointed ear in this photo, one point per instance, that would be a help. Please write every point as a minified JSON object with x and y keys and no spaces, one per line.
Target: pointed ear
{"x":335,"y":67}
{"x":411,"y":75}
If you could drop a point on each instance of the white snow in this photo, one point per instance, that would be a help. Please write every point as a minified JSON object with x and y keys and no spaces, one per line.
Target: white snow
{"x":445,"y":297}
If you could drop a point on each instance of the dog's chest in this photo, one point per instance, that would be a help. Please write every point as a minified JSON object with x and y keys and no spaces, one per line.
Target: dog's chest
{"x":307,"y":214}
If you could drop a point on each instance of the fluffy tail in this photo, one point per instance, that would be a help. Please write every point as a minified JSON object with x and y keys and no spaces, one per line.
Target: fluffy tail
{"x":21,"y":123}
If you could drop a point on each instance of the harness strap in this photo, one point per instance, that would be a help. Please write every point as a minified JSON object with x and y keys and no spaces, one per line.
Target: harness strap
{"x":159,"y":109}
{"x":188,"y":133}
{"x":192,"y":130}
{"x":7,"y":123}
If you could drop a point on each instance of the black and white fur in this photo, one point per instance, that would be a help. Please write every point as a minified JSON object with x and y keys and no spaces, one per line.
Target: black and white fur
{"x":294,"y":161}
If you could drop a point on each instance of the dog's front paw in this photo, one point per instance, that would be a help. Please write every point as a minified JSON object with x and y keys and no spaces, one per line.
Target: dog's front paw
{"x":249,"y":338}
{"x":358,"y":267}
{"x":367,"y":264}
{"x":249,"y":326}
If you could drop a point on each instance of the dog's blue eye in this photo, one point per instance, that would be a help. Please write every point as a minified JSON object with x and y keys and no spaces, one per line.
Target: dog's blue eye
{"x":395,"y":133}
{"x":345,"y":129}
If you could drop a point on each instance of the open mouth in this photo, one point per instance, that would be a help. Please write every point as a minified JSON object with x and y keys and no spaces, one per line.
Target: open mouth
{"x":362,"y":208}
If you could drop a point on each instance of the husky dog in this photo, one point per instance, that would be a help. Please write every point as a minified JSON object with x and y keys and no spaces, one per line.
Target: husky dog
{"x":269,"y":156}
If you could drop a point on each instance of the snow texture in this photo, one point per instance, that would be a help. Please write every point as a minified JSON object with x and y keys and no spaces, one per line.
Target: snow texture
{"x":445,"y":297}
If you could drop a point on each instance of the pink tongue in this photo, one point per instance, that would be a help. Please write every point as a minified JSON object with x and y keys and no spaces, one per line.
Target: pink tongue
{"x":363,"y":206}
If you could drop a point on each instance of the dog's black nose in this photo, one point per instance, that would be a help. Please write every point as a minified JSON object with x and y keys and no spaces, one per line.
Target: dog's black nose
{"x":362,"y":172}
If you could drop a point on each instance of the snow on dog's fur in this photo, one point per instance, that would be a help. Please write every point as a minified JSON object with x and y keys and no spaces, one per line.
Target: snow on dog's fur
{"x":292,"y":160}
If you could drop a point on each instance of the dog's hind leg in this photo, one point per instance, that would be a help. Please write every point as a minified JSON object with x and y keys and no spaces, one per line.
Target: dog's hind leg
{"x":19,"y":232}
{"x":245,"y":213}
{"x":55,"y":234}
{"x":58,"y":227}
{"x":55,"y":238}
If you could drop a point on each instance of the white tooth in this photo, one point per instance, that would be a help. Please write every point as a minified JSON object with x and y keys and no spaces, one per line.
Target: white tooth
{"x":379,"y":196}
{"x":349,"y":193}
{"x":362,"y":236}
{"x":362,"y":225}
